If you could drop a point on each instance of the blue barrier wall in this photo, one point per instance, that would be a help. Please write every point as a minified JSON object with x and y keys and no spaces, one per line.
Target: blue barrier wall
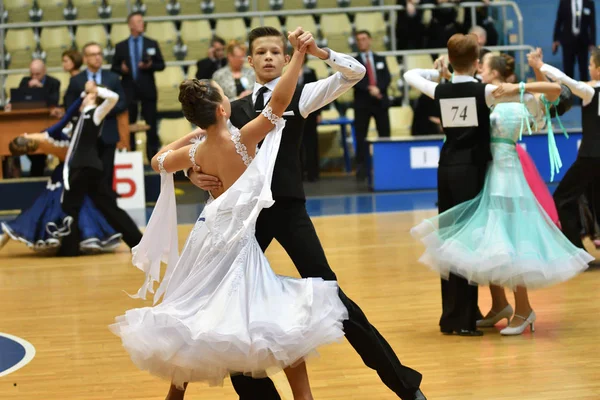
{"x":538,"y":26}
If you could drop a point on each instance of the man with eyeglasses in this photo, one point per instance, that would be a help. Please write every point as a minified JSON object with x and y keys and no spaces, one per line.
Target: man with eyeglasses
{"x":109,"y":140}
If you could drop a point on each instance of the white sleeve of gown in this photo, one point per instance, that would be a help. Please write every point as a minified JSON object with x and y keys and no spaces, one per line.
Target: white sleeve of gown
{"x":159,"y":242}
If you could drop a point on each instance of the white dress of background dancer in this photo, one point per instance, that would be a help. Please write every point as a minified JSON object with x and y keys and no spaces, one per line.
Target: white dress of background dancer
{"x":224,"y":309}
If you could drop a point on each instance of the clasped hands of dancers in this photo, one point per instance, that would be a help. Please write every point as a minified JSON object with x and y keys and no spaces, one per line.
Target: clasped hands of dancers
{"x":492,"y":228}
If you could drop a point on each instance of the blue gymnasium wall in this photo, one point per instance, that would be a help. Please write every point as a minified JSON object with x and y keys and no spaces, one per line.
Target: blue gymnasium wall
{"x":538,"y":26}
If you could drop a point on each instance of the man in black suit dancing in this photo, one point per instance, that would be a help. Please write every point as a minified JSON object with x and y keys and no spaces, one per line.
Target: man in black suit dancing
{"x":370,"y":99}
{"x":51,"y":88}
{"x":287,"y":220}
{"x":109,"y":140}
{"x":136,"y":59}
{"x":575,"y":31}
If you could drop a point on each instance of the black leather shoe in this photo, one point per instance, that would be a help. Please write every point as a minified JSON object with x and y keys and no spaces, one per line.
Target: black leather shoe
{"x":419,"y":395}
{"x":462,"y":332}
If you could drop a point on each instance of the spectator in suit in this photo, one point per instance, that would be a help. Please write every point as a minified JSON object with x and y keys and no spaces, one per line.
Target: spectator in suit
{"x":236,"y":79}
{"x":310,"y":139}
{"x":51,"y":86}
{"x":109,"y":140}
{"x":136,"y":60}
{"x":575,"y":31}
{"x":370,"y":99}
{"x":216,"y":59}
{"x":410,"y":30}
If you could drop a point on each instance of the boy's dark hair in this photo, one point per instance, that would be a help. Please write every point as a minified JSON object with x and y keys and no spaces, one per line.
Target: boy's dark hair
{"x":133,"y":14}
{"x":199,"y":100}
{"x":265,"y":31}
{"x":217,"y":39}
{"x":363,"y":32}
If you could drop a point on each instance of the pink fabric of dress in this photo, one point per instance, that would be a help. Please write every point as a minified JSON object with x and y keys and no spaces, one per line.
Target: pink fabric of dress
{"x":537,"y":185}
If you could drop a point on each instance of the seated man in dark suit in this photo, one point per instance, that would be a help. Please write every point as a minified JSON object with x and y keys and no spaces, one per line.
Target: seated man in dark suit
{"x":51,"y":87}
{"x":136,"y":59}
{"x":216,"y":59}
{"x":109,"y":140}
{"x":370,"y":99}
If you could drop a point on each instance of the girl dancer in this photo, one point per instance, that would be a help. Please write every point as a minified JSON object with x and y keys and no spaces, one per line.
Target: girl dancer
{"x":43,"y":225}
{"x":503,"y":236}
{"x":586,"y":169}
{"x":224,"y":310}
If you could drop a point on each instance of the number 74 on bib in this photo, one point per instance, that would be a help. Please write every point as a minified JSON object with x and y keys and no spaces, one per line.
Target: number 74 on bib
{"x":457,"y":113}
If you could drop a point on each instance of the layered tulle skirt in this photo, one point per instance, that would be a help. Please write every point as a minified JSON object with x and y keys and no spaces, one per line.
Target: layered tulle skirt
{"x":503,"y":236}
{"x":229,"y":313}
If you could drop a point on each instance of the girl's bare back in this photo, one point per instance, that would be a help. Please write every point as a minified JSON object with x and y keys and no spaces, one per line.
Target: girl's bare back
{"x":218,"y":156}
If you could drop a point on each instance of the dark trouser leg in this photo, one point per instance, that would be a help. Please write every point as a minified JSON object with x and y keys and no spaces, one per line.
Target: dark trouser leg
{"x":568,"y":59}
{"x":571,"y":187}
{"x":104,"y":199}
{"x":382,"y":121}
{"x":71,"y":204}
{"x":295,"y":232}
{"x":457,"y":184}
{"x":107,"y":154}
{"x":362,"y":118}
{"x":583,"y":62}
{"x":152,"y":141}
{"x":133,"y":114}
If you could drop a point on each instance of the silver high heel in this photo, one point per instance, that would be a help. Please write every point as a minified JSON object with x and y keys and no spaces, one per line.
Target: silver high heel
{"x":517,"y":330}
{"x":507,"y":312}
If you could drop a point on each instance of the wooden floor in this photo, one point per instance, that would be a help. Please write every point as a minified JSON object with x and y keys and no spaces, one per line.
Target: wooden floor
{"x":63,"y":307}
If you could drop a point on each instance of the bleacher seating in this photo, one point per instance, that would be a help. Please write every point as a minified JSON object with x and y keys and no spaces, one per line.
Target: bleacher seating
{"x":18,"y":10}
{"x":337,"y":29}
{"x":375,"y":23}
{"x":232,"y":29}
{"x":20,"y":43}
{"x":166,"y":36}
{"x":90,"y":33}
{"x":167,"y":84}
{"x":54,"y":41}
{"x":196,"y":35}
{"x":52,"y":9}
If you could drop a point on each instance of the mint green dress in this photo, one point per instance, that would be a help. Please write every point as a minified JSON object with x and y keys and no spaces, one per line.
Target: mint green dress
{"x":503,"y":236}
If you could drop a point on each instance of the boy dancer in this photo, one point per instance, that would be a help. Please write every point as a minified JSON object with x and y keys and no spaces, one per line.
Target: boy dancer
{"x":83,"y":172}
{"x":287,"y":220}
{"x":465,"y":113}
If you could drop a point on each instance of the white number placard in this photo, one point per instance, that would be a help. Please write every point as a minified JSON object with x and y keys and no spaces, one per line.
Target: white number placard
{"x":424,"y":157}
{"x":129,"y":180}
{"x":458,"y":113}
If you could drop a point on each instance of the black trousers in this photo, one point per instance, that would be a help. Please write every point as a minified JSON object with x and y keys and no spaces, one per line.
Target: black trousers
{"x":457,"y":184}
{"x":288,"y":222}
{"x":362,"y":118}
{"x":577,"y":181}
{"x":572,"y":51}
{"x":38,"y":164}
{"x":107,"y":155}
{"x":149,"y":115}
{"x":310,"y":148}
{"x":90,"y":182}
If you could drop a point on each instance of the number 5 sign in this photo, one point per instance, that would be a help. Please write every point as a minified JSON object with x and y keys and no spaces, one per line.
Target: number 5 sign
{"x":128,"y":180}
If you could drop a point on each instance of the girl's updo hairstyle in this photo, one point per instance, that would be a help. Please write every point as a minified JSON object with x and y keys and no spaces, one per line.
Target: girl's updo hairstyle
{"x":199,"y":100}
{"x":503,"y":64}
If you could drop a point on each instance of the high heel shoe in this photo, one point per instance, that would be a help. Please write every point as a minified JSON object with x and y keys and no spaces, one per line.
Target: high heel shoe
{"x":517,"y":330}
{"x":507,"y":312}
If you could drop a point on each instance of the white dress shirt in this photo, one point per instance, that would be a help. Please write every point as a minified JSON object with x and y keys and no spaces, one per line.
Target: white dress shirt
{"x":422,"y":80}
{"x":579,"y":89}
{"x":315,"y":95}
